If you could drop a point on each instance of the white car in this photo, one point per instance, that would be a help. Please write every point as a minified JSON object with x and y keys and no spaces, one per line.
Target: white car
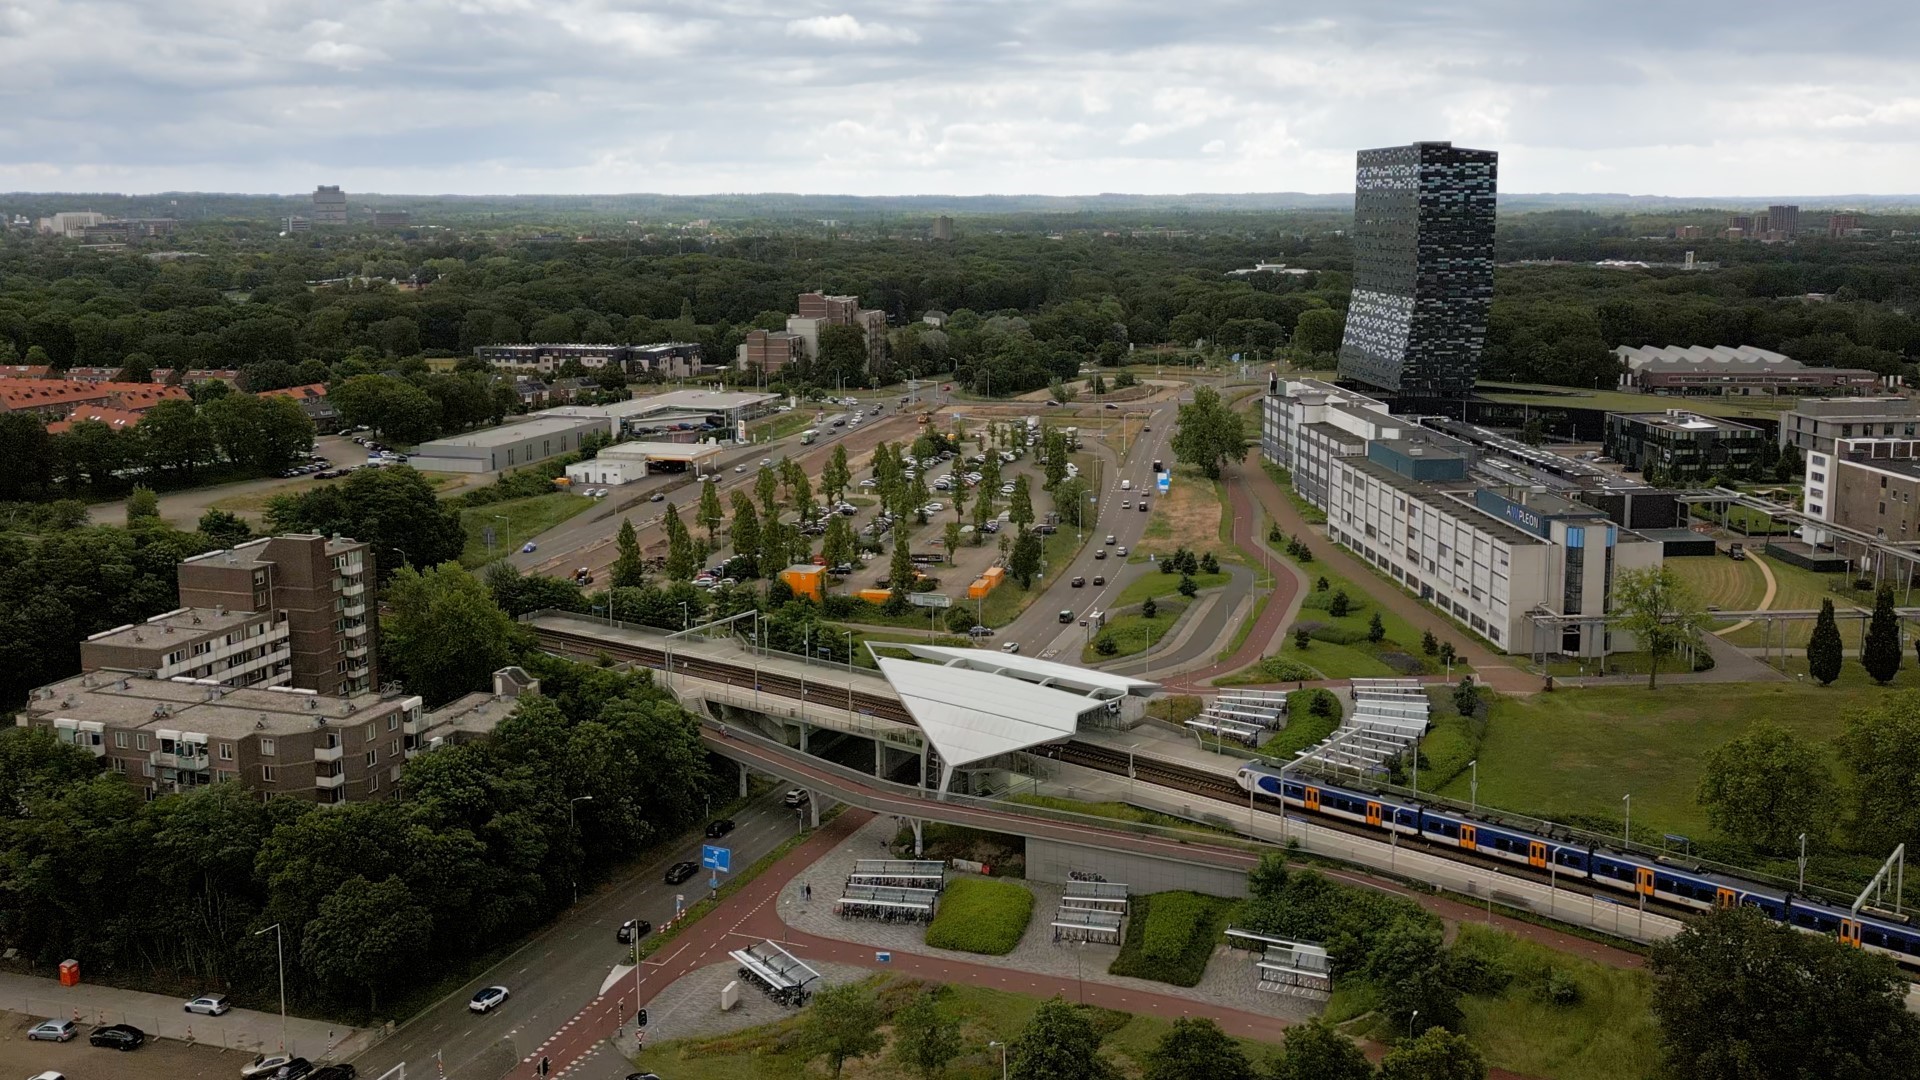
{"x":53,"y":1031}
{"x":48,"y":1075}
{"x":869,"y":482}
{"x":935,"y":507}
{"x":487,"y":1000}
{"x":1010,"y":647}
{"x":765,"y":461}
{"x":739,"y":468}
{"x":209,"y":1004}
{"x":263,"y":1065}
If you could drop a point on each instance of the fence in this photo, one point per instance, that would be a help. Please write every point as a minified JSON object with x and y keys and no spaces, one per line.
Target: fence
{"x":1098,"y":927}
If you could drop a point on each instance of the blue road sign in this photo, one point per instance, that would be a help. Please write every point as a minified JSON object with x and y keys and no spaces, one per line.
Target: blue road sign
{"x":883,"y":958}
{"x":716,"y":858}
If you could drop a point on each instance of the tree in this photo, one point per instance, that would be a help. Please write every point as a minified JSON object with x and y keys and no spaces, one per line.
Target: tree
{"x":1323,"y":584}
{"x":1533,"y":432}
{"x":1376,"y":630}
{"x":224,"y":529}
{"x":1438,"y":1054}
{"x":1880,"y":652}
{"x":1058,"y":1043}
{"x":1660,"y":612}
{"x":766,"y":487}
{"x":843,"y":1022}
{"x":1024,"y":565}
{"x":1766,"y":787}
{"x":710,"y":514}
{"x":1187,"y":586}
{"x":1054,"y":445}
{"x":745,"y":533}
{"x":393,"y":509}
{"x":1738,"y":995}
{"x":1340,"y":604}
{"x":518,"y":594}
{"x":394,"y":407}
{"x":1020,"y":503}
{"x":952,"y":537}
{"x":1317,"y":332}
{"x":837,"y":547}
{"x":1825,"y":652}
{"x":629,"y":567}
{"x":1408,"y":962}
{"x":365,"y":935}
{"x":1105,"y":644}
{"x":1315,"y":1051}
{"x":680,"y":561}
{"x":173,"y":435}
{"x":1466,"y":697}
{"x":1149,"y":609}
{"x":1881,"y":743}
{"x":1196,"y":1049}
{"x":142,"y":505}
{"x":899,"y":574}
{"x":1428,"y":643}
{"x":925,"y":1039}
{"x":444,"y":636}
{"x":837,"y":475}
{"x":1209,"y":434}
{"x":1302,"y":638}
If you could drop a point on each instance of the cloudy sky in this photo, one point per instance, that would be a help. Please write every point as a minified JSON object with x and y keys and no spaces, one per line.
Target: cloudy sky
{"x":1677,"y":97}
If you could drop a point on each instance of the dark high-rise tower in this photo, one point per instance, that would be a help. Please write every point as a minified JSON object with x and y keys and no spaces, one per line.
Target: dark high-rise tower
{"x":1422,"y":268}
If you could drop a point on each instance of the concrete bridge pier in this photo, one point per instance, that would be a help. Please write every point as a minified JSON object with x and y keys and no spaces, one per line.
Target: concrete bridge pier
{"x":743,"y":779}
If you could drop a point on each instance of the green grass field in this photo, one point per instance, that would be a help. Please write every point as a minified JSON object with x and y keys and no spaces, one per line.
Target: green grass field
{"x":1160,"y":586}
{"x":1361,"y":658}
{"x":524,"y":519}
{"x":1736,"y":585}
{"x":1609,"y":1034}
{"x":1621,"y":401}
{"x":1798,"y":590}
{"x":783,"y":425}
{"x":1135,"y":633}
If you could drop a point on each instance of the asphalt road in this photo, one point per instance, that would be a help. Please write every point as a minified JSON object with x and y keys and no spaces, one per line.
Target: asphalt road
{"x":552,"y":976}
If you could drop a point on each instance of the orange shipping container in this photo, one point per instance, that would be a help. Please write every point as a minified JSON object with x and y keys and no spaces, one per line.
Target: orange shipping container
{"x":804,"y":580}
{"x":980,"y":587}
{"x":995,"y":575}
{"x":875,"y":596}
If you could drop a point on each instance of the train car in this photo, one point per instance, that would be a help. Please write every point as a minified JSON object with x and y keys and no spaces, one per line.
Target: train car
{"x":1327,"y":800}
{"x":1504,"y":843}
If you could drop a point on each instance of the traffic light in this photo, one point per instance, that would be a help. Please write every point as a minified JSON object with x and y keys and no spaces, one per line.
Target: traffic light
{"x":642,"y":1018}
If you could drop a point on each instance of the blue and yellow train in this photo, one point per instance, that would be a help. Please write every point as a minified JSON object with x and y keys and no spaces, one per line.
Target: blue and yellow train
{"x":1599,"y":866}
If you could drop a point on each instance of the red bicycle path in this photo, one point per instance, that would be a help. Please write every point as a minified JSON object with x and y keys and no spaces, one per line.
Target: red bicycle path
{"x":751,"y":915}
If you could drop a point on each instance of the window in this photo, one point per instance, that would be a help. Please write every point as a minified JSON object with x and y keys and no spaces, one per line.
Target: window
{"x":140,"y":742}
{"x":370,"y":732}
{"x":394,"y":748}
{"x":120,"y":740}
{"x":373,"y":782}
{"x":226,"y":751}
{"x":393,"y":721}
{"x":373,"y":758}
{"x":119,"y":764}
{"x":267,"y":748}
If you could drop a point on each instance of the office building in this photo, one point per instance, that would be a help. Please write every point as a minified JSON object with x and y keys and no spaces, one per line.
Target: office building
{"x":1815,"y":424}
{"x":1726,"y":370}
{"x":1686,"y":447}
{"x":1866,"y":489}
{"x":329,"y":205}
{"x":317,"y":587}
{"x":943,"y":228}
{"x":392,"y":219}
{"x":1739,"y":226}
{"x":1422,"y":269}
{"x":1688,"y":232}
{"x":299,"y":225}
{"x":69,"y":223}
{"x":508,"y":446}
{"x":1528,"y":570}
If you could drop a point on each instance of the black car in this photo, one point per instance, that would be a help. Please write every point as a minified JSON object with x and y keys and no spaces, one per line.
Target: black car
{"x":118,"y":1036}
{"x":633,"y":929}
{"x":334,"y":1072}
{"x":1078,"y":582}
{"x":681,"y":871}
{"x":294,"y":1070}
{"x":656,"y":1076}
{"x":719,"y":828}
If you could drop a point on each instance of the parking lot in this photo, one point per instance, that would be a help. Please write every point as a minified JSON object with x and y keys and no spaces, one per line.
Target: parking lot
{"x":157,"y":1060}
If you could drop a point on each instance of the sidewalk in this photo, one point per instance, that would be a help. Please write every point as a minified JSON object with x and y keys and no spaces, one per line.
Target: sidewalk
{"x":164,"y":1017}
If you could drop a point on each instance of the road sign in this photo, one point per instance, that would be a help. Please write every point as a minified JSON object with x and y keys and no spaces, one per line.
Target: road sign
{"x":716,"y":858}
{"x":929,"y":599}
{"x":883,"y":958}
{"x":679,"y":903}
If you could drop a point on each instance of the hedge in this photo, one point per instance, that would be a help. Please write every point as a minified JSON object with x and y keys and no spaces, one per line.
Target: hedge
{"x":1306,"y":723}
{"x":981,"y":916}
{"x":1170,"y":937}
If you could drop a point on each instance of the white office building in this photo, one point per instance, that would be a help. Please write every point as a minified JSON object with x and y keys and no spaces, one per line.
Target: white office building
{"x":1527,"y":570}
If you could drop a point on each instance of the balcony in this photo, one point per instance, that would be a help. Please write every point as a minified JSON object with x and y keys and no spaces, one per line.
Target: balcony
{"x":195,"y":762}
{"x":355,"y":588}
{"x":329,"y":753}
{"x":356,"y":631}
{"x":355,"y":609}
{"x":357,"y":650}
{"x":330,"y":783}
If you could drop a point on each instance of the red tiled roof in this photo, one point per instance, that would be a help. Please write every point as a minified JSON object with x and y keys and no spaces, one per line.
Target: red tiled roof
{"x":298,"y":393}
{"x":24,"y":371}
{"x":39,"y":393}
{"x":117,"y":419}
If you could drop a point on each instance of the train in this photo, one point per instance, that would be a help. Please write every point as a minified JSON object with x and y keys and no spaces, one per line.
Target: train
{"x":1600,"y":867}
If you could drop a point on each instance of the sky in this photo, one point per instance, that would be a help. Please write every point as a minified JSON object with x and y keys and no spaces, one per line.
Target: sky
{"x":965,"y":97}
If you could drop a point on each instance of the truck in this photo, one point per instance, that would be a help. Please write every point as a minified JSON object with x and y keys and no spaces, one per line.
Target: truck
{"x":807,"y":436}
{"x":1737,"y":552}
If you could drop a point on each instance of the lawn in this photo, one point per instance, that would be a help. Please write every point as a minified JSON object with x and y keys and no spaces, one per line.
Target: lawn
{"x":256,"y":502}
{"x":1735,"y":585}
{"x":1134,"y":633}
{"x":1572,"y":754}
{"x":1799,"y":590}
{"x":1170,"y":936}
{"x":1160,"y":586}
{"x":524,"y":519}
{"x":984,"y":1017}
{"x":1308,"y":512}
{"x":1609,"y":1034}
{"x":1340,"y":649}
{"x":783,"y":425}
{"x":979,"y":915}
{"x":1550,"y":397}
{"x":1116,"y":811}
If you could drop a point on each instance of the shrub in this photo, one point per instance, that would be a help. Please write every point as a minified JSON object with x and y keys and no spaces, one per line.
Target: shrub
{"x":1302,"y":638}
{"x":981,"y":916}
{"x":1281,"y":669}
{"x":1339,"y":635}
{"x":1560,"y":988}
{"x":1170,"y":936}
{"x":1105,"y":644}
{"x":1340,"y":605}
{"x":1302,"y":731}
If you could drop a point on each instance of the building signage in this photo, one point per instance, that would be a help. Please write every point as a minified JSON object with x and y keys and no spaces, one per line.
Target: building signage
{"x":1502,"y":507}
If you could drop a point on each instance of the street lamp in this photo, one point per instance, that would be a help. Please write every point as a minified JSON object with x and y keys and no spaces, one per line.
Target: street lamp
{"x":1627,"y":833}
{"x":1803,"y":864}
{"x":570,"y":832}
{"x":1410,"y":1020}
{"x":1003,"y":1057}
{"x":279,"y":949}
{"x":1473,"y":786}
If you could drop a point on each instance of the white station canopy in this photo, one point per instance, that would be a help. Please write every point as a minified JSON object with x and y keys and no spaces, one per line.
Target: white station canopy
{"x":975,"y":711}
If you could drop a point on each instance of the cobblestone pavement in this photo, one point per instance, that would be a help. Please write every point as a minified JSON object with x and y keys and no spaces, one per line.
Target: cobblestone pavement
{"x":1229,"y":980}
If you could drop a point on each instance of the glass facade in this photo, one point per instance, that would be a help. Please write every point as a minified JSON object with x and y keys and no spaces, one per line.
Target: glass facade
{"x":1422,"y":268}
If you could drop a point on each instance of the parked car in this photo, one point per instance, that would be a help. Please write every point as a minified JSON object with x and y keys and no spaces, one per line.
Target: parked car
{"x":632,"y":930}
{"x":796,"y":797}
{"x":263,"y":1065}
{"x":342,"y":1071}
{"x":117,"y":1036}
{"x":681,"y":871}
{"x":487,"y":999}
{"x":53,"y":1031}
{"x":719,"y":828}
{"x":295,"y":1069}
{"x":980,"y":631}
{"x":209,"y":1004}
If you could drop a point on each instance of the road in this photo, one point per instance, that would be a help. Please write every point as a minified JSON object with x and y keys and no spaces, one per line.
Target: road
{"x":552,"y":976}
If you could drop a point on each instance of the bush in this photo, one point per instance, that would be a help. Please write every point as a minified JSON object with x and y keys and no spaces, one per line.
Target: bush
{"x":1303,"y":730}
{"x":981,"y":916}
{"x":1281,"y":669}
{"x":1170,"y":937}
{"x":1560,"y":988}
{"x":1338,"y":635}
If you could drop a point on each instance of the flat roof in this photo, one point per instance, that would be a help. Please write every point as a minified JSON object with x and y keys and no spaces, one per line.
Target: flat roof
{"x":712,"y":400}
{"x":670,"y":451}
{"x":1442,"y":499}
{"x":510,"y":433}
{"x":1683,"y":420}
{"x":179,"y":625}
{"x":200,"y":707}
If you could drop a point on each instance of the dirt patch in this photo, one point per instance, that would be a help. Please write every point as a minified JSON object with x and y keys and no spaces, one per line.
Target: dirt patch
{"x":1188,"y":516}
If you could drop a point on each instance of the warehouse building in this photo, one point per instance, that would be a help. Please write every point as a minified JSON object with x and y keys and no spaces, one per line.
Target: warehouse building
{"x":508,"y":446}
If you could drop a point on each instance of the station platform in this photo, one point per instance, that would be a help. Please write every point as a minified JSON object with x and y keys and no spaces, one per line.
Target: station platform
{"x":1153,"y":738}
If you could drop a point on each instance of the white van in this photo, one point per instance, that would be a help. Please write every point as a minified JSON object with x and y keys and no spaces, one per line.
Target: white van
{"x":1126,"y":485}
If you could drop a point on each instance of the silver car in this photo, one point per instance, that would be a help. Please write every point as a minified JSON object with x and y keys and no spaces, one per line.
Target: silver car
{"x":209,"y":1004}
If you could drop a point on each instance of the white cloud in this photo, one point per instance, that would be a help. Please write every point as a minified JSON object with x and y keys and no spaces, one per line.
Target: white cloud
{"x":847,"y":28}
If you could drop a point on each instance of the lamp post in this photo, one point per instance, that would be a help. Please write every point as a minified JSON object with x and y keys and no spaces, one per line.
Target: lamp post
{"x":570,"y":831}
{"x":1003,"y":1057}
{"x":1803,"y":864}
{"x":1410,"y":1020}
{"x":1473,"y":786}
{"x":280,"y":951}
{"x":1627,"y":834}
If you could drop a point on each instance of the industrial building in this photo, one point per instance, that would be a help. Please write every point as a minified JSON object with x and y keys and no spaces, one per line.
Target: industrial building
{"x":1422,"y":268}
{"x":1732,"y":371}
{"x":623,"y":463}
{"x":1529,"y":569}
{"x":1685,"y":446}
{"x":508,"y":446}
{"x":675,"y":416}
{"x":667,"y":359}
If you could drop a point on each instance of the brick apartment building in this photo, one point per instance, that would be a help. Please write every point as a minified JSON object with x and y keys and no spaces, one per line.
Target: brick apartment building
{"x":319,"y":587}
{"x":768,"y":351}
{"x":56,"y":399}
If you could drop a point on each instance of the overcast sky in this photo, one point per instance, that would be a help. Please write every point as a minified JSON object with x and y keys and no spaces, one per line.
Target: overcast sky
{"x":1678,"y":97}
